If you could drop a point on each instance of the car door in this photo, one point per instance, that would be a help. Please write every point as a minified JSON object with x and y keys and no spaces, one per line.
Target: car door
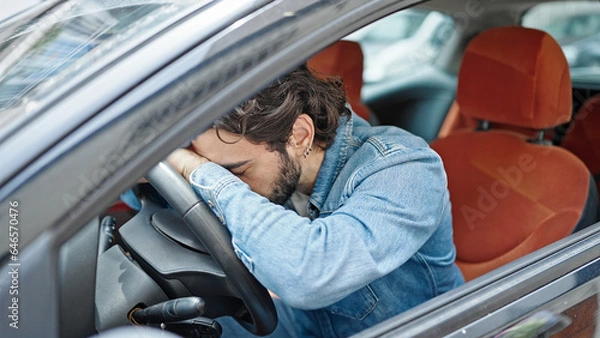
{"x":552,"y":292}
{"x":67,"y":155}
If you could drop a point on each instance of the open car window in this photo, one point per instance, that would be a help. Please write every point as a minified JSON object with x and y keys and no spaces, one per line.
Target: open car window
{"x":400,"y":43}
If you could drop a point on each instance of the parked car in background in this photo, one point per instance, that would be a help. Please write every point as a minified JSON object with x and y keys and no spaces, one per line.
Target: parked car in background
{"x":584,"y":53}
{"x":402,"y":43}
{"x":575,"y":26}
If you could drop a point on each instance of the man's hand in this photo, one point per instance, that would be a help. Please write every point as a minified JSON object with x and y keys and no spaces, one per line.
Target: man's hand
{"x":185,"y":161}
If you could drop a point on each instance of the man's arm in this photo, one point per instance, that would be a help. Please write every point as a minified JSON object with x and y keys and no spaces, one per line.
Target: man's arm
{"x":312,"y":264}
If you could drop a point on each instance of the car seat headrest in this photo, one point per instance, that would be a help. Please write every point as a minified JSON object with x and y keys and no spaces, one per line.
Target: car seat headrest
{"x":516,"y":76}
{"x":343,"y":59}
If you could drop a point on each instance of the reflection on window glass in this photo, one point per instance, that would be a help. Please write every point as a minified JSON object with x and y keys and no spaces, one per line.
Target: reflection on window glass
{"x":50,"y":53}
{"x":402,"y":41}
{"x":71,"y":36}
{"x":576,"y":27}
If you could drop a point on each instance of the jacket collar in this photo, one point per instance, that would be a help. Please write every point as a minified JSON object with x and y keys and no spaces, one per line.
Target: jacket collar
{"x":333,"y":162}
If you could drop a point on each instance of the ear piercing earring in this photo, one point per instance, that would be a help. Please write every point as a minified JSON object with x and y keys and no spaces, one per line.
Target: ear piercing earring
{"x":307,"y":151}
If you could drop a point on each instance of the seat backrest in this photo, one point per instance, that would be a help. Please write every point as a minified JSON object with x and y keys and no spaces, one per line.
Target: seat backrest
{"x":455,"y":121}
{"x":583,"y":136}
{"x":344,"y":59}
{"x":511,"y":195}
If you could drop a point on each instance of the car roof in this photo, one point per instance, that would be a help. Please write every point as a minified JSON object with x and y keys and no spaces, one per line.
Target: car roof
{"x":457,"y":6}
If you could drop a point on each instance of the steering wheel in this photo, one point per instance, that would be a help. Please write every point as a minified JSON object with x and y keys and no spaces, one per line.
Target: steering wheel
{"x":217,"y":241}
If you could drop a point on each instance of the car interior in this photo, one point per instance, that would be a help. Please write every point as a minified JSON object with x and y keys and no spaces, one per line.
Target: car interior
{"x":520,"y":141}
{"x":457,"y":116}
{"x":488,"y":177}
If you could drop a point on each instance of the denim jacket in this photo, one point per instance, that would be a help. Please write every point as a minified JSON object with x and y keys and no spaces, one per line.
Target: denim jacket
{"x":378,"y":239}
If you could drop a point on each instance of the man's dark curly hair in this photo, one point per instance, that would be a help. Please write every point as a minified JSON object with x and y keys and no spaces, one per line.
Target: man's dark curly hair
{"x":269,"y":116}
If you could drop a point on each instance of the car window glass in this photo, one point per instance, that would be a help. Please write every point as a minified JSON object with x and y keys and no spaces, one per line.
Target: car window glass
{"x":402,"y":42}
{"x":576,"y":27}
{"x":52,"y":48}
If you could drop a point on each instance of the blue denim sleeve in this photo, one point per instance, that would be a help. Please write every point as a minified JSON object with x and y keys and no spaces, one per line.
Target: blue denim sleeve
{"x":392,"y":206}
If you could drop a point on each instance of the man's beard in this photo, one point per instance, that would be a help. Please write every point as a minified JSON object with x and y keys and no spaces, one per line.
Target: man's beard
{"x":287,"y":182}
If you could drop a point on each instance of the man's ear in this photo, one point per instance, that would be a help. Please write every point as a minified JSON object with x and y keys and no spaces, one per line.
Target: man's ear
{"x":303,"y":133}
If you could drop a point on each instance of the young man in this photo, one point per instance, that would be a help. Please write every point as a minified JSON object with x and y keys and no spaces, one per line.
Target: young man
{"x":346,"y":223}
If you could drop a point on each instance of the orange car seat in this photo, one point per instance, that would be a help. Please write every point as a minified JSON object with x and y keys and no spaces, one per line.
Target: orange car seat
{"x":344,"y":59}
{"x":583,"y":137}
{"x":455,"y":121}
{"x":512,"y":194}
